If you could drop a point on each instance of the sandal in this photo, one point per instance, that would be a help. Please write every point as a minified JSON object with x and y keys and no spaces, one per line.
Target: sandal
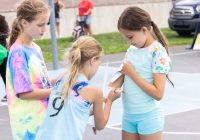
{"x":4,"y":99}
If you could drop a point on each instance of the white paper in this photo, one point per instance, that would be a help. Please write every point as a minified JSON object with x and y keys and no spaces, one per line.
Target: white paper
{"x":106,"y":90}
{"x":117,"y":74}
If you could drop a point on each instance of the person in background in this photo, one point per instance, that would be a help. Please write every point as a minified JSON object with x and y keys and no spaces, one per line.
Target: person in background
{"x":85,"y":13}
{"x":76,"y":30}
{"x":4,"y":32}
{"x":58,"y":7}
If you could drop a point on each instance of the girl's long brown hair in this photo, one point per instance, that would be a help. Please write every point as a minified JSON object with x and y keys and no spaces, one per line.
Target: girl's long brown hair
{"x":134,"y":18}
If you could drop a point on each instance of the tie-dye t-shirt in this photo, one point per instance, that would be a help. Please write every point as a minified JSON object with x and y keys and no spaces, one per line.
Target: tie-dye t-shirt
{"x":26,"y":70}
{"x":146,"y":61}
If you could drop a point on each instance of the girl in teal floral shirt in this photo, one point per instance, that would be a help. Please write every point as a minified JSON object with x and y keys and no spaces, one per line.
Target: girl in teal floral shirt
{"x":145,"y":71}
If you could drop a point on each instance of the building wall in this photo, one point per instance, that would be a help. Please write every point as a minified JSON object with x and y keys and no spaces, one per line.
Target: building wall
{"x":9,"y":5}
{"x":105,"y":17}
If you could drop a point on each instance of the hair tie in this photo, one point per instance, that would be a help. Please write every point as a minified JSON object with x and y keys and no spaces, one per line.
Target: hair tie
{"x":152,"y":23}
{"x":78,"y":49}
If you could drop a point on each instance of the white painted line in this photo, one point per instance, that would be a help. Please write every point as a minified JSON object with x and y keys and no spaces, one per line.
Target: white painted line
{"x":184,"y":53}
{"x":115,"y":128}
{"x":4,"y":120}
{"x":114,"y":124}
{"x":185,"y":73}
{"x":182,"y":111}
{"x":114,"y":62}
{"x":182,"y":133}
{"x":174,"y":133}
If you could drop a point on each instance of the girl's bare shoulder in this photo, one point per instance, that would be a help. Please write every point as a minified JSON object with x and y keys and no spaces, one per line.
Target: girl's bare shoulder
{"x":90,"y":89}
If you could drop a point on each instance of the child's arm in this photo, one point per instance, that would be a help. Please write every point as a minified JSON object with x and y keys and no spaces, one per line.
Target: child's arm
{"x":53,"y":81}
{"x":35,"y":94}
{"x":40,"y":93}
{"x":62,"y":6}
{"x":155,"y":90}
{"x":89,"y":10}
{"x":101,"y":115}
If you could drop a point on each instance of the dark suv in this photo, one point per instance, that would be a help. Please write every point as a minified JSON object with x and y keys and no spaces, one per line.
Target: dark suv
{"x":184,"y":16}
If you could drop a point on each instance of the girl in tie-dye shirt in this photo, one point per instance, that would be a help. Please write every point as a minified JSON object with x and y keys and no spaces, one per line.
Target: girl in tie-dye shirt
{"x":28,"y":84}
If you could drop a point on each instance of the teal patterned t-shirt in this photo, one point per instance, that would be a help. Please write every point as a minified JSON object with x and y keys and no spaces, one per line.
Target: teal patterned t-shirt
{"x":146,"y":61}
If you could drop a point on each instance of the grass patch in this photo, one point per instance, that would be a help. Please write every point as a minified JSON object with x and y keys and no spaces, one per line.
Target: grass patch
{"x":111,"y":43}
{"x":175,"y":40}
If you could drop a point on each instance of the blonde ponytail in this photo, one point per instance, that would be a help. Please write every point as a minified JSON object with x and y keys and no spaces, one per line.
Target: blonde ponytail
{"x":81,"y":51}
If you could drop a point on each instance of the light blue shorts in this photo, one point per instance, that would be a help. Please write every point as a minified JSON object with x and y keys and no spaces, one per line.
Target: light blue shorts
{"x":144,"y":124}
{"x":87,"y":19}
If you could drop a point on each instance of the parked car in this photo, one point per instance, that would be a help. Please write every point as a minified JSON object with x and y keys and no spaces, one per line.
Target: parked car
{"x":184,"y":16}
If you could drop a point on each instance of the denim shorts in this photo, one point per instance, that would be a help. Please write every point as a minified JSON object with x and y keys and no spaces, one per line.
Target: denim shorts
{"x":87,"y":19}
{"x":57,"y":20}
{"x":145,"y":123}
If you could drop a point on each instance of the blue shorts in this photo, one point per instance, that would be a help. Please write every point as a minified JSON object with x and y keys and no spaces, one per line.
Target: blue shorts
{"x":145,"y":123}
{"x":87,"y":19}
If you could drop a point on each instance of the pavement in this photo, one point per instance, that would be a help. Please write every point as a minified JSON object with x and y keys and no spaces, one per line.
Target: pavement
{"x":181,"y":104}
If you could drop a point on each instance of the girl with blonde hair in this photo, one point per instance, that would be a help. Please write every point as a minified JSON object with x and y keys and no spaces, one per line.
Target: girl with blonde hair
{"x":69,"y":103}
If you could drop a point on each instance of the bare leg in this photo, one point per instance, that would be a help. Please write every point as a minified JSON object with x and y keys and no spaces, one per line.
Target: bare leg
{"x":58,"y":28}
{"x":130,"y":136}
{"x":78,"y":33}
{"x":74,"y":34}
{"x":155,"y":136}
{"x":85,"y":31}
{"x":89,"y":29}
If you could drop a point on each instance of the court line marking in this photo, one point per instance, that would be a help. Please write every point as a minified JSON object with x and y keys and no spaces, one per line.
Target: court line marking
{"x":113,"y":62}
{"x":175,"y":133}
{"x":175,"y":54}
{"x":185,"y":73}
{"x":170,"y":71}
{"x":115,"y":128}
{"x":112,"y":125}
{"x":182,"y":111}
{"x":182,"y":133}
{"x":4,"y":120}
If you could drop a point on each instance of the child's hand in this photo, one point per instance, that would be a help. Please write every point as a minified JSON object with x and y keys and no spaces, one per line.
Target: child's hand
{"x":127,"y":68}
{"x":94,"y":130}
{"x":104,"y":100}
{"x":119,"y":90}
{"x":113,"y":95}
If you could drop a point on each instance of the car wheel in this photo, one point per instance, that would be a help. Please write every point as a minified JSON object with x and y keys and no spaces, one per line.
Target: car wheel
{"x":184,"y":33}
